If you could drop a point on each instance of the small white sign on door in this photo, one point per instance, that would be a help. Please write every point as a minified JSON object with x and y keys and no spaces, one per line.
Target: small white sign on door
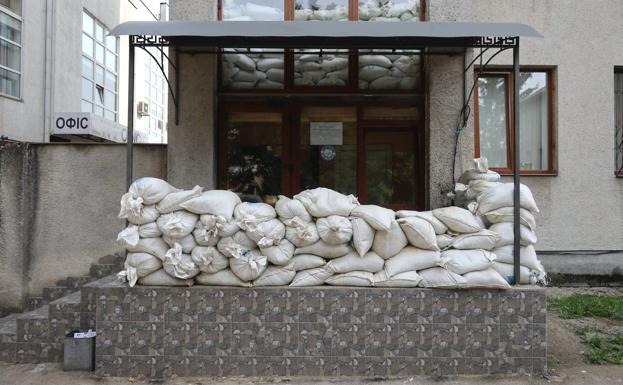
{"x":323,"y":133}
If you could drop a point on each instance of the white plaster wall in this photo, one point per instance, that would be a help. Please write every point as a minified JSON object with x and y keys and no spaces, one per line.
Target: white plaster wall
{"x":581,"y":207}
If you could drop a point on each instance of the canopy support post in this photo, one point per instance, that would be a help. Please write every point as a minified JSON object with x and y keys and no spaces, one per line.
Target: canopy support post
{"x":130,"y":132}
{"x":516,"y":168}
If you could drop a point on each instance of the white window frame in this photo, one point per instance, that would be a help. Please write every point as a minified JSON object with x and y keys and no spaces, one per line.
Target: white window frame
{"x":152,"y":67}
{"x":9,"y":12}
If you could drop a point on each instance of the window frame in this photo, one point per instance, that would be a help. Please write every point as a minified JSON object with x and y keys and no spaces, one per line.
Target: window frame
{"x":617,"y":173}
{"x":19,"y":17}
{"x":496,"y":71}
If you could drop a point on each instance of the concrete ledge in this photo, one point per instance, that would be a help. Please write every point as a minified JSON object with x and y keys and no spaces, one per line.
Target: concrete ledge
{"x":583,"y":263}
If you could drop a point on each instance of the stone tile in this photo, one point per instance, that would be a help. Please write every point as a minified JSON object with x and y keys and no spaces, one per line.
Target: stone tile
{"x":315,"y":306}
{"x":409,"y":366}
{"x":179,"y":366}
{"x":447,"y":366}
{"x":315,"y":339}
{"x":349,"y":340}
{"x":383,"y":306}
{"x":539,"y":341}
{"x":34,"y":352}
{"x":113,"y":339}
{"x":247,"y":305}
{"x":276,"y":366}
{"x":281,"y":339}
{"x":482,"y":340}
{"x":512,"y":365}
{"x":516,"y":307}
{"x":182,"y":305}
{"x":247,"y":339}
{"x":214,"y":305}
{"x":382,"y":340}
{"x":539,"y":307}
{"x":148,"y":304}
{"x":212,"y":366}
{"x":349,"y":306}
{"x":482,"y":307}
{"x":448,"y":307}
{"x":516,"y":339}
{"x":479,"y":365}
{"x":539,"y":365}
{"x":7,"y":351}
{"x":381,"y":366}
{"x":416,"y":340}
{"x":180,"y":339}
{"x":33,"y":330}
{"x":112,"y":366}
{"x":88,"y":299}
{"x":146,"y":366}
{"x":242,"y":366}
{"x":87,"y":321}
{"x":214,"y":339}
{"x":416,"y":306}
{"x":59,"y":328}
{"x":113,"y":304}
{"x":282,"y":305}
{"x":147,"y":339}
{"x":448,"y":341}
{"x":347,"y":366}
{"x":314,"y":366}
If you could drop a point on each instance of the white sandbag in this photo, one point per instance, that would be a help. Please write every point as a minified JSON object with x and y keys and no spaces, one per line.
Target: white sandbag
{"x":177,"y":224}
{"x":389,"y":243}
{"x":275,"y":75}
{"x":270,"y":63}
{"x":222,"y":278}
{"x":149,"y":230}
{"x":507,"y":271}
{"x":162,"y":278}
{"x":419,"y":232}
{"x":406,"y":279}
{"x":303,"y":81}
{"x":236,"y":244}
{"x":209,"y":259}
{"x":408,"y":83}
{"x":128,"y":236}
{"x":301,"y":233}
{"x":215,"y":202}
{"x":322,"y":202}
{"x":267,"y":233}
{"x":242,"y":85}
{"x":269,"y":85}
{"x":506,"y":214}
{"x":527,"y":255}
{"x":502,"y":196}
{"x":444,"y":241}
{"x":472,"y":174}
{"x":279,"y":254}
{"x":247,"y":214}
{"x":311,"y":277}
{"x":489,"y":279}
{"x":477,"y":187}
{"x":276,"y":276}
{"x":384,"y":83}
{"x":378,"y":217}
{"x":334,"y":64}
{"x":339,"y":74}
{"x":188,"y":242}
{"x":409,"y":16}
{"x":146,"y":214}
{"x":334,"y":229}
{"x":307,"y":58}
{"x":481,"y":164}
{"x":363,"y":84}
{"x":335,"y":14}
{"x":226,"y":229}
{"x":241,"y":60}
{"x":363,"y":235}
{"x":249,"y":76}
{"x":179,"y":264}
{"x":369,"y":10}
{"x":172,"y":201}
{"x":428,"y":216}
{"x":464,"y":261}
{"x":263,"y":12}
{"x":311,"y":66}
{"x":248,"y":265}
{"x":371,"y":72}
{"x":440,"y":278}
{"x":377,"y":60}
{"x":352,"y":262}
{"x":331,"y":81}
{"x":306,"y":262}
{"x":352,"y":278}
{"x":408,"y":64}
{"x":139,"y":265}
{"x":457,"y":219}
{"x":288,"y":209}
{"x":506,"y":232}
{"x":204,"y":238}
{"x":484,"y":239}
{"x":411,"y":258}
{"x":325,"y":250}
{"x":150,"y":190}
{"x":154,"y":246}
{"x":206,"y":231}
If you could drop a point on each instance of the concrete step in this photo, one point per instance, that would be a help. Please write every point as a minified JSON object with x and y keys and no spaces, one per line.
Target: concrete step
{"x":102,"y":270}
{"x":53,"y":293}
{"x":33,"y":303}
{"x":8,"y":337}
{"x":74,"y":283}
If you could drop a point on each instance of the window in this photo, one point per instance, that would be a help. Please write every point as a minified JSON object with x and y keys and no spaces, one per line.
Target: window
{"x":10,"y":47}
{"x":155,"y":93}
{"x":494,"y":120}
{"x":99,"y":69}
{"x":618,"y":121}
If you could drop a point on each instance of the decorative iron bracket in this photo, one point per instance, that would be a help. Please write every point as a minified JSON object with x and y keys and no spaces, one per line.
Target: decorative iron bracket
{"x":497,"y":41}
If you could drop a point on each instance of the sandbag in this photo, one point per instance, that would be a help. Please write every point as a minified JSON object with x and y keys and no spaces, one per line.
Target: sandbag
{"x":269,"y":84}
{"x":248,"y":265}
{"x":457,"y":219}
{"x":143,"y":192}
{"x":527,"y":255}
{"x":206,"y":231}
{"x":489,"y":279}
{"x":352,"y":262}
{"x":322,"y":202}
{"x":263,"y":12}
{"x":240,"y":60}
{"x":334,"y":64}
{"x":279,"y":254}
{"x":378,"y":217}
{"x":267,"y":233}
{"x":334,"y":229}
{"x":236,"y":244}
{"x":188,"y":242}
{"x":301,"y":233}
{"x":276,"y":276}
{"x":363,"y":235}
{"x":506,"y":232}
{"x":269,"y":63}
{"x":177,"y":224}
{"x":484,"y":239}
{"x":444,"y":241}
{"x":161,"y":278}
{"x":507,"y":271}
{"x":370,"y":73}
{"x":215,"y":202}
{"x":464,"y":261}
{"x":149,"y":230}
{"x":222,"y":278}
{"x":377,"y":60}
{"x":288,"y":209}
{"x":472,"y":174}
{"x":384,"y":82}
{"x":128,"y":236}
{"x":352,"y":278}
{"x":411,"y":258}
{"x":311,"y":277}
{"x":248,"y":214}
{"x":275,"y":75}
{"x":505,"y":214}
{"x":406,"y":279}
{"x":154,"y":246}
{"x":420,"y":233}
{"x":249,"y":76}
{"x":144,"y":215}
{"x":440,"y":278}
{"x":428,"y":216}
{"x":331,"y":81}
{"x":209,"y":259}
{"x":389,"y":243}
{"x":138,"y":265}
{"x":325,"y":250}
{"x":502,"y":196}
{"x":178,"y":264}
{"x":477,"y":187}
{"x":172,"y":201}
{"x":306,"y":262}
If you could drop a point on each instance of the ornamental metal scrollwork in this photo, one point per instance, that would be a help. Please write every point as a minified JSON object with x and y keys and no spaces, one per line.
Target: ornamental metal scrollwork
{"x":147,"y":40}
{"x":496,"y":41}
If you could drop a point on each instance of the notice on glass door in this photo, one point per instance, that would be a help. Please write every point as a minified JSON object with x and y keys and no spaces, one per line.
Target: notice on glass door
{"x":325,"y":133}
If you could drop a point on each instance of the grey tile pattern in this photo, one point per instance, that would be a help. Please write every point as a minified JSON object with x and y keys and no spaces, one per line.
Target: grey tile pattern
{"x":319,"y":331}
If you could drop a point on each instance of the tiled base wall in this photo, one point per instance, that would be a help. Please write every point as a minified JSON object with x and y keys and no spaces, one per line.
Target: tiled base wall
{"x":321,"y":331}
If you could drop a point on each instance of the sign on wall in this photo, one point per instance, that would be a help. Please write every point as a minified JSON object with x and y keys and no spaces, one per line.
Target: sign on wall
{"x":87,"y":124}
{"x":325,"y":133}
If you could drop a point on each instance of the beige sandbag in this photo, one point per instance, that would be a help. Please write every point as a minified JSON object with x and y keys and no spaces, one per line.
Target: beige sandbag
{"x":177,"y":224}
{"x":138,"y":265}
{"x":188,"y":242}
{"x":352,"y":262}
{"x":419,"y":232}
{"x":352,"y":278}
{"x":209,"y":259}
{"x":457,"y":219}
{"x":210,"y":227}
{"x":389,"y":243}
{"x":377,"y":60}
{"x":311,"y":277}
{"x":507,"y":271}
{"x":215,"y":202}
{"x":484,"y":239}
{"x":172,"y":201}
{"x":248,"y":265}
{"x":472,"y":174}
{"x":506,"y":232}
{"x":502,"y":196}
{"x":178,"y":264}
{"x":149,"y":230}
{"x":334,"y":229}
{"x":527,"y":255}
{"x":378,"y":217}
{"x":248,"y":214}
{"x":306,"y":262}
{"x":280,"y":254}
{"x":154,"y":246}
{"x":411,"y":258}
{"x":363,"y":235}
{"x":301,"y":233}
{"x":231,"y":246}
{"x":438,"y":225}
{"x":444,"y":241}
{"x":146,"y":214}
{"x":205,"y":237}
{"x":505,"y":214}
{"x":405,"y":279}
{"x":222,"y":278}
{"x":322,"y":202}
{"x":477,"y":187}
{"x":276,"y":276}
{"x":267,"y":233}
{"x":323,"y":249}
{"x":288,"y":209}
{"x":384,"y":83}
{"x":133,"y":233}
{"x":440,"y":278}
{"x":464,"y":261}
{"x":488,"y":279}
{"x":161,"y":278}
{"x":143,"y":192}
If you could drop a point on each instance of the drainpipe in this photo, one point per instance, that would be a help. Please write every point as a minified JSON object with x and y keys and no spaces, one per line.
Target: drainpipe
{"x":48,"y":68}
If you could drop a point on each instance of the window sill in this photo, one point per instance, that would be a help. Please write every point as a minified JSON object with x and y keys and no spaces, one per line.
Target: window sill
{"x":618,"y":174}
{"x":16,"y":99}
{"x":524,"y":173}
